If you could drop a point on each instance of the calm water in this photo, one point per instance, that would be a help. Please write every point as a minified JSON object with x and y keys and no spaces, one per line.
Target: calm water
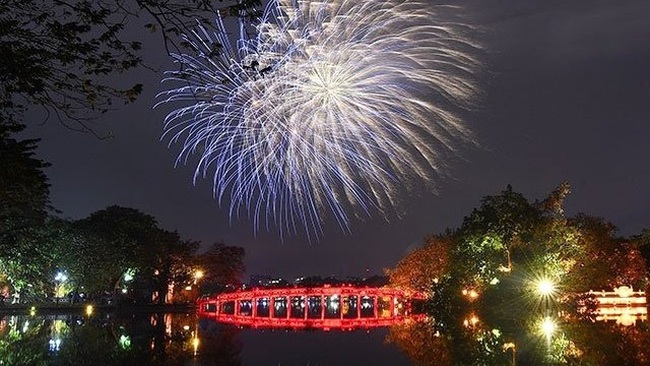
{"x":183,"y":339}
{"x":180,"y":339}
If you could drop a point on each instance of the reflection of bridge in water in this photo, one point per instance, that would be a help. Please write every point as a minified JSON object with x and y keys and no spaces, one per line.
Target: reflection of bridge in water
{"x":326,"y":307}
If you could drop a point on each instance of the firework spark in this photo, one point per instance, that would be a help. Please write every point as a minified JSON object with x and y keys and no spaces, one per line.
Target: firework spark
{"x":332,"y":108}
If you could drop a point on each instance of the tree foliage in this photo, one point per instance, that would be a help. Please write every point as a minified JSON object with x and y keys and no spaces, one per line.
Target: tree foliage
{"x":112,"y":241}
{"x":24,"y":187}
{"x":494,"y":264}
{"x":424,"y":266}
{"x":24,"y":207}
{"x":223,"y":265}
{"x":63,"y":55}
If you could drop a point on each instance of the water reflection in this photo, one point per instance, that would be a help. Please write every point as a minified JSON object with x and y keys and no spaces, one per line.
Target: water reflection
{"x":474,"y":338}
{"x":145,"y":339}
{"x":546,"y":340}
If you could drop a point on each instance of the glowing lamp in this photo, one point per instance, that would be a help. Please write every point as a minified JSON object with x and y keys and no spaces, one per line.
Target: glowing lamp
{"x":198,"y":274}
{"x":545,"y":287}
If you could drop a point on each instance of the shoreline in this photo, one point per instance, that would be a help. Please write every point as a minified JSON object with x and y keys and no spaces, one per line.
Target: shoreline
{"x":14,"y":309}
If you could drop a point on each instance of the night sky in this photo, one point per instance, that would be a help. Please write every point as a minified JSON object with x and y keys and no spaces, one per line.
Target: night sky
{"x":565,"y":97}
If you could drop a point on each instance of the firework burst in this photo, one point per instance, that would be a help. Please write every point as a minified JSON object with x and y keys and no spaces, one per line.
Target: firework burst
{"x":333,"y":107}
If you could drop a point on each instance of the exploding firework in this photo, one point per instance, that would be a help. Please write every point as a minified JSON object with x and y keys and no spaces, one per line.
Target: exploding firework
{"x":332,"y":108}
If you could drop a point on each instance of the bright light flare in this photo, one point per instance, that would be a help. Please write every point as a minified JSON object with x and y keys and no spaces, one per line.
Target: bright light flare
{"x":333,"y":108}
{"x":547,"y":327}
{"x":198,"y":274}
{"x":545,"y":287}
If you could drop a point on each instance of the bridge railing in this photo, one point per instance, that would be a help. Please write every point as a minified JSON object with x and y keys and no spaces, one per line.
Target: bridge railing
{"x":335,"y":307}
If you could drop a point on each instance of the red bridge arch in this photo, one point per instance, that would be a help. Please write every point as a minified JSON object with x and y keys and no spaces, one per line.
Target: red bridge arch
{"x":327,"y":307}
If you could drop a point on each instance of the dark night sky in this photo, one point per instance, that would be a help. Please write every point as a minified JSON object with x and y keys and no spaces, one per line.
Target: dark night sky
{"x":566,"y":97}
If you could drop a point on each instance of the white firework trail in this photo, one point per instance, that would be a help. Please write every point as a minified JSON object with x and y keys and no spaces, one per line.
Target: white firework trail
{"x":331,"y":108}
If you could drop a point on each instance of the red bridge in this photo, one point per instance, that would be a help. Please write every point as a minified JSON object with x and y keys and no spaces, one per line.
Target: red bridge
{"x":325,"y":307}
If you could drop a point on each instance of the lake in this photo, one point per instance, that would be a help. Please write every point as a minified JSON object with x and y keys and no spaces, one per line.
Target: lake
{"x":184,"y":339}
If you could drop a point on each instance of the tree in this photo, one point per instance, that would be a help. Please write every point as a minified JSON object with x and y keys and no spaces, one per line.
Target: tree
{"x":608,"y":261}
{"x":24,"y":187}
{"x":24,"y":207}
{"x":112,"y":241}
{"x":61,"y":55}
{"x":223,"y":265}
{"x":424,"y":266}
{"x":642,"y":241}
{"x":168,"y":260}
{"x":489,"y":235}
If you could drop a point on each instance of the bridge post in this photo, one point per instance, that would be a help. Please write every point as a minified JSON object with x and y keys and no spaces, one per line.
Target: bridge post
{"x":288,"y":305}
{"x":323,"y":303}
{"x":392,"y":305}
{"x":305,"y":300}
{"x":271,"y":306}
{"x":254,"y":307}
{"x":375,"y":302}
{"x":358,"y":305}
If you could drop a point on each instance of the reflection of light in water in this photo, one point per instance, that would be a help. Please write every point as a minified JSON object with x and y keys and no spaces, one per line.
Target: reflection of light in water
{"x":55,"y":344}
{"x":622,"y":315}
{"x":548,"y":326}
{"x":57,"y":328}
{"x":470,"y":293}
{"x":195,"y":342}
{"x":124,"y":342}
{"x":470,"y":321}
{"x":624,"y":305}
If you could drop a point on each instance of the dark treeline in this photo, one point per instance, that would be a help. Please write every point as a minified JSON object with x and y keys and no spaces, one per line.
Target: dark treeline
{"x":116,"y":252}
{"x":62,"y":58}
{"x":115,"y":255}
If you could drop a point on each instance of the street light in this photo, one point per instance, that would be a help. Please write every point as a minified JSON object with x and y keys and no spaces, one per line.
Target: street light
{"x":198,"y":274}
{"x":545,"y":287}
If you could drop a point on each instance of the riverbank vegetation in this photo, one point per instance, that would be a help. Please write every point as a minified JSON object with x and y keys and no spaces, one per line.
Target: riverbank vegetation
{"x":514,"y":280}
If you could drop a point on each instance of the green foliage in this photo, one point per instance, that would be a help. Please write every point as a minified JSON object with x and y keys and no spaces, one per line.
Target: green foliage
{"x":502,"y":251}
{"x":110,"y":242}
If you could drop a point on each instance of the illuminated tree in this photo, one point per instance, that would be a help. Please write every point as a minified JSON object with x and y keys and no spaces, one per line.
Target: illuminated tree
{"x":424,"y":266}
{"x":608,"y":261}
{"x":489,"y":235}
